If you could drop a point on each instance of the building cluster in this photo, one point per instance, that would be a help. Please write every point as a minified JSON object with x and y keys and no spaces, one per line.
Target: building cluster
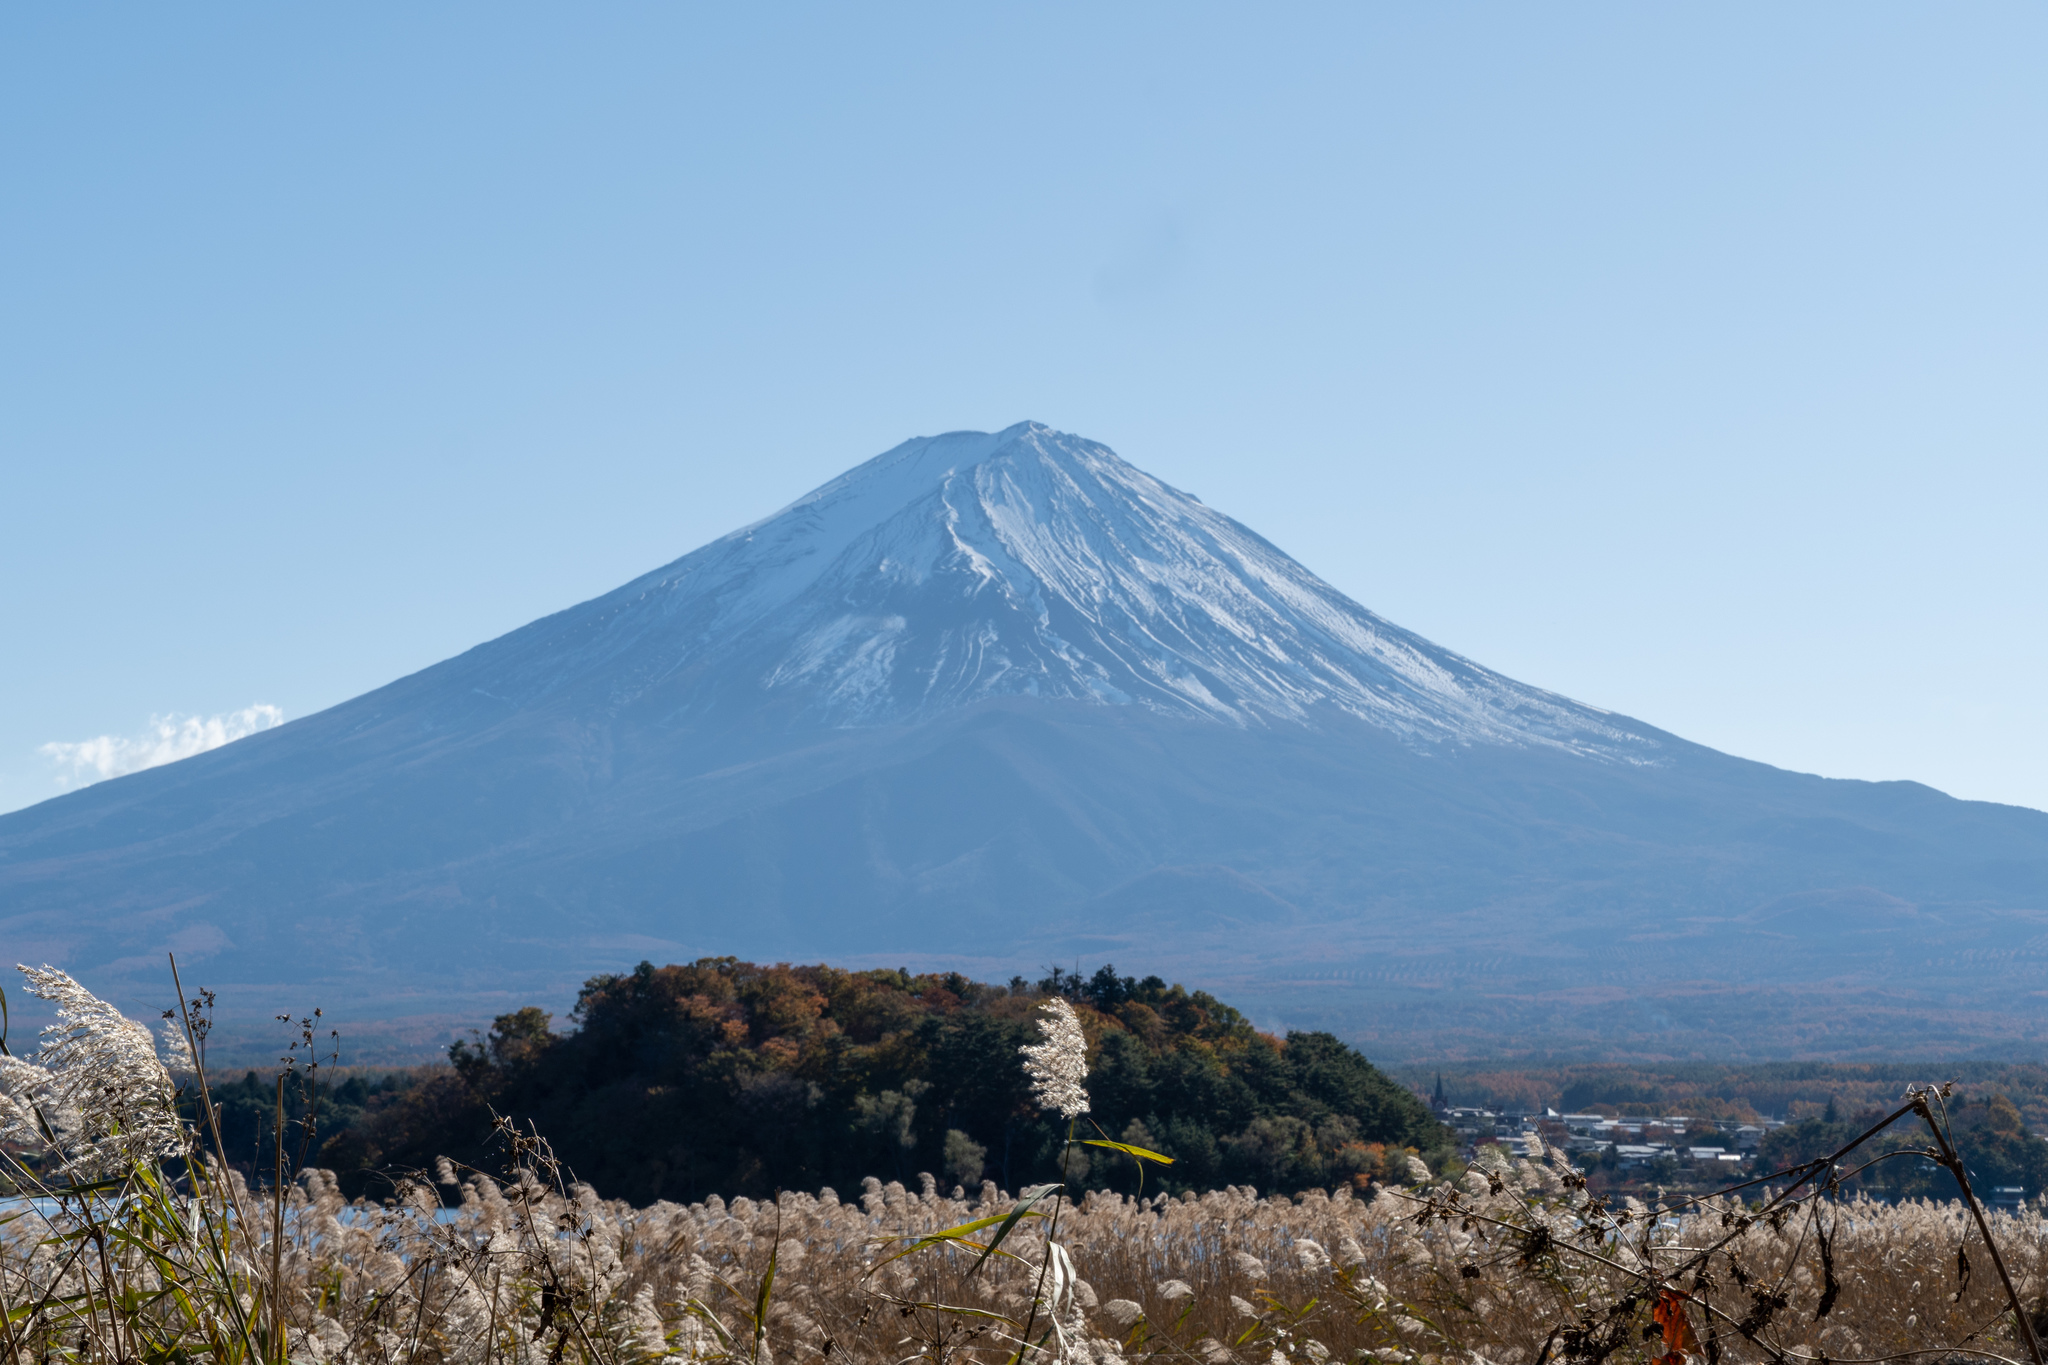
{"x":1637,"y":1141}
{"x":1632,"y":1141}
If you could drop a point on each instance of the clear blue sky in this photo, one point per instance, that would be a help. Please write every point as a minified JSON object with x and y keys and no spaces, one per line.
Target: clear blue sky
{"x":1688,"y":360}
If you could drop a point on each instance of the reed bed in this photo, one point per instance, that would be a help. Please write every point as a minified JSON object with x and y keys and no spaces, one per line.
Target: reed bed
{"x":521,"y":1271}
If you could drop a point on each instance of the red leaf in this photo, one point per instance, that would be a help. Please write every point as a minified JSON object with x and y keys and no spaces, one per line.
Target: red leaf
{"x":1678,"y":1338}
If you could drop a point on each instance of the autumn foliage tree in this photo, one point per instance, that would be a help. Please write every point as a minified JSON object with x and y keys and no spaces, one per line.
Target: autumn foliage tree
{"x":731,"y":1077}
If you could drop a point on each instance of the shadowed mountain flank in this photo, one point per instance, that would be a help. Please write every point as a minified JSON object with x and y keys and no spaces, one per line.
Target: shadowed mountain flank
{"x":997,"y":700}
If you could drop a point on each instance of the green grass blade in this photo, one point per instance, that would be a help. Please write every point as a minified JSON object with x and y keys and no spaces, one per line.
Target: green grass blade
{"x":1128,"y":1150}
{"x":710,"y":1319}
{"x":761,"y":1298}
{"x":955,"y":1234}
{"x":955,"y":1308}
{"x":1031,"y":1196}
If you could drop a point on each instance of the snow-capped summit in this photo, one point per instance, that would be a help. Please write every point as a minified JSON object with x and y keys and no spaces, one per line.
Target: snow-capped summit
{"x":960,"y":568}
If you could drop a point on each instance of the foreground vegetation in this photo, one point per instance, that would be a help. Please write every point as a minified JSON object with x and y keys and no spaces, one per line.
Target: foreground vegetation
{"x":136,"y":1240}
{"x":528,"y":1271}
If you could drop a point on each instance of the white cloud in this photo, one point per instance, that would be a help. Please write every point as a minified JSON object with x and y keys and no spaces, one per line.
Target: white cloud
{"x":168,"y":739}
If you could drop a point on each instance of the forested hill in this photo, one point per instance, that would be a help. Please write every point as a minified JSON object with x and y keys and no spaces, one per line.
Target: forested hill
{"x":726,"y":1076}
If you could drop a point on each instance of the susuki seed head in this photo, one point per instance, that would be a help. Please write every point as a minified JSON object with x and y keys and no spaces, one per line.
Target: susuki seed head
{"x":1058,"y":1065}
{"x":96,"y":1093}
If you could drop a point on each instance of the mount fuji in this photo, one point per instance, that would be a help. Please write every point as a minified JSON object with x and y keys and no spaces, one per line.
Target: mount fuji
{"x":992,"y":700}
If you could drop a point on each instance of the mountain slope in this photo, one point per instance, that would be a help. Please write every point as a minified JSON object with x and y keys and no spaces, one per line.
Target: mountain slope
{"x":988,"y":699}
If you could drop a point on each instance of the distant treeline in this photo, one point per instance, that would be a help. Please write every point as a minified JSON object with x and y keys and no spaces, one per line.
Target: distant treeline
{"x":246,"y":1109}
{"x":1990,"y":1133}
{"x":735,"y":1078}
